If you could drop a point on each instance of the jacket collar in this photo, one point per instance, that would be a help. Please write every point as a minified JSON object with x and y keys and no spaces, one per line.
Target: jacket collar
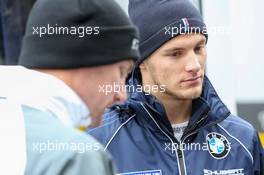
{"x":207,"y":109}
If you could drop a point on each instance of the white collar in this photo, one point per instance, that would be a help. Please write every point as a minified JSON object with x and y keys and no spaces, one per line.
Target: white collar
{"x":44,"y":92}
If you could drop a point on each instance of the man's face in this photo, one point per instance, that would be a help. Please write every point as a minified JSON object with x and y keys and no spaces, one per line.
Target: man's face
{"x":179,"y":66}
{"x":96,"y":87}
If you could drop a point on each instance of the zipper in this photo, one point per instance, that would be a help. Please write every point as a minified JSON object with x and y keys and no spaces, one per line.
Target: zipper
{"x":179,"y":152}
{"x":181,"y":163}
{"x":194,"y":126}
{"x":218,"y":121}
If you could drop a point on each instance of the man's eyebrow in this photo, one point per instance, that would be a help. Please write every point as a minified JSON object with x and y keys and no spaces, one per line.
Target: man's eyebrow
{"x":173,"y":49}
{"x":201,"y":41}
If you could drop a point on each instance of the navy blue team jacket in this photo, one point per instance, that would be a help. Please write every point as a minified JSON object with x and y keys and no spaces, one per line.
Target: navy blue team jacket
{"x":141,"y":140}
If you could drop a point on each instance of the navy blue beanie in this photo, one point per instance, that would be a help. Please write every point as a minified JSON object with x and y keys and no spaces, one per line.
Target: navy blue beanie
{"x":160,"y":20}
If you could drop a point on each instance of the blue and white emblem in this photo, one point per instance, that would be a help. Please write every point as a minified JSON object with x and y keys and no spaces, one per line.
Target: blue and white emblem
{"x":218,"y":145}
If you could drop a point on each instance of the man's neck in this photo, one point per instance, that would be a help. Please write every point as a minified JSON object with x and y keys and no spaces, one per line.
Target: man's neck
{"x":178,"y":111}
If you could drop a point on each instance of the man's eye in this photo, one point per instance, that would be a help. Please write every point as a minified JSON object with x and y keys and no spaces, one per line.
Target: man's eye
{"x":177,"y":54}
{"x":198,"y":49}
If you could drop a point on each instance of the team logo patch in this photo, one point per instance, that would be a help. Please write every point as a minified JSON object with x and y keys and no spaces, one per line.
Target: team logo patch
{"x":225,"y":172}
{"x":135,"y":44}
{"x":148,"y":172}
{"x":218,"y":145}
{"x":186,"y":24}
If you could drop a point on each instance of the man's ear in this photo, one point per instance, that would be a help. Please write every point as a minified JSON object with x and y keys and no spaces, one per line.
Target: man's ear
{"x":143,"y":66}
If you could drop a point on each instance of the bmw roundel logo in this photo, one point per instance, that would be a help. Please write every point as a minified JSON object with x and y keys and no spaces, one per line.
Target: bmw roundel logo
{"x":218,"y":145}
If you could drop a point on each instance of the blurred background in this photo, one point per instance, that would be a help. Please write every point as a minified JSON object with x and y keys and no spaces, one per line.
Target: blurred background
{"x":235,"y":59}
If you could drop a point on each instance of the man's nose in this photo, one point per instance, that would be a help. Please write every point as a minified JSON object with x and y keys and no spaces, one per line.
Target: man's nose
{"x":193,"y":64}
{"x":120,"y":96}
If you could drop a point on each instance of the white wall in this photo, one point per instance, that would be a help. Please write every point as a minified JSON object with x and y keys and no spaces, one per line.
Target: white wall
{"x":220,"y":63}
{"x":124,"y":4}
{"x":247,"y":44}
{"x":236,"y":59}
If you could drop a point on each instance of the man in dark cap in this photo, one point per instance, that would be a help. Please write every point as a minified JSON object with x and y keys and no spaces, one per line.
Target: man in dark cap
{"x":72,"y":53}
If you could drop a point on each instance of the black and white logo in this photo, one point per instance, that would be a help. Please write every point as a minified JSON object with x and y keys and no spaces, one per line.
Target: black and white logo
{"x":225,"y":172}
{"x":218,"y":145}
{"x":135,"y":44}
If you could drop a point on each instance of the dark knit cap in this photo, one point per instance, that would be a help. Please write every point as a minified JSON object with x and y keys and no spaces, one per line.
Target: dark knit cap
{"x":64,"y":34}
{"x":160,"y":20}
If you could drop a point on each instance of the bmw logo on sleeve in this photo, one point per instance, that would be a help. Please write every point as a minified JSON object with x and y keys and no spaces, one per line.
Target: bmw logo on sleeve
{"x":218,"y":145}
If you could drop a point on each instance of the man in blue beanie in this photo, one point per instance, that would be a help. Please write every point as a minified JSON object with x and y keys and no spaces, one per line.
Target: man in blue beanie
{"x":174,"y":122}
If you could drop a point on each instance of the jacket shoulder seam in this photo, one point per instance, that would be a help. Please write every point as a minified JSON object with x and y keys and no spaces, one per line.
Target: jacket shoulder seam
{"x":118,"y":129}
{"x":228,"y":133}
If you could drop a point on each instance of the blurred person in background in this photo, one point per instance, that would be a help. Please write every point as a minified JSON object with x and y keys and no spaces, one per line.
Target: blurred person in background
{"x":13,"y":17}
{"x":56,"y":90}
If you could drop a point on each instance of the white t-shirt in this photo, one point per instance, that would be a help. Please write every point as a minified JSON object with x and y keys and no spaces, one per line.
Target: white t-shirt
{"x":13,"y":138}
{"x":178,"y":129}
